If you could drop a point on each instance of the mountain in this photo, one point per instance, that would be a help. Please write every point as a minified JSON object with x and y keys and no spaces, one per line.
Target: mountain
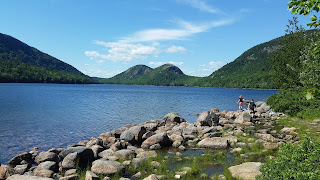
{"x":252,"y":69}
{"x":165,"y":75}
{"x":21,"y":63}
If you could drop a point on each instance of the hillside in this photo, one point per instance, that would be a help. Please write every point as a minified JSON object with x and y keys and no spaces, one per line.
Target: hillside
{"x":22,"y":63}
{"x":165,"y":75}
{"x":252,"y":69}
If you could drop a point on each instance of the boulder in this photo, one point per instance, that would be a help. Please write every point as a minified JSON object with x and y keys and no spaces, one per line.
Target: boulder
{"x":19,"y":158}
{"x":207,"y":118}
{"x":5,"y":171}
{"x":94,"y":141}
{"x":96,"y":149}
{"x":128,"y":136}
{"x":21,"y":169}
{"x":160,"y":138}
{"x":43,"y":173}
{"x":46,"y":156}
{"x":150,"y":126}
{"x":86,"y":155}
{"x":175,"y":137}
{"x":267,"y":137}
{"x":138,"y":132}
{"x":287,"y":130}
{"x":173,"y":118}
{"x":27,"y":177}
{"x":70,"y":161}
{"x":242,"y":118}
{"x":214,"y":143}
{"x":245,"y":171}
{"x":91,"y":176}
{"x":71,"y":172}
{"x":106,"y":153}
{"x":136,"y":162}
{"x":70,"y":177}
{"x":47,"y":165}
{"x":151,"y":177}
{"x":146,"y":154}
{"x":125,"y":154}
{"x":106,"y":167}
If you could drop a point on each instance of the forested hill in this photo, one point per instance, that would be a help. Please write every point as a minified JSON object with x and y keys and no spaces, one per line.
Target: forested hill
{"x":22,"y":63}
{"x":252,"y":69}
{"x":165,"y":75}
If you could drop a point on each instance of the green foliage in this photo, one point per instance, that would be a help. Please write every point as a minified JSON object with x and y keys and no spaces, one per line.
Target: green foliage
{"x":310,"y":61}
{"x":305,"y":7}
{"x":293,"y":102}
{"x":22,"y":63}
{"x":294,"y":162}
{"x":286,"y":62}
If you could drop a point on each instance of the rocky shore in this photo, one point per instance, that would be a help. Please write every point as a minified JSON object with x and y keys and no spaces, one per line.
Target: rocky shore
{"x":110,"y":155}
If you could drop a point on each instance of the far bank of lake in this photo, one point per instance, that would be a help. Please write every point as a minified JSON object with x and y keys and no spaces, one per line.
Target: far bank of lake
{"x":54,"y":115}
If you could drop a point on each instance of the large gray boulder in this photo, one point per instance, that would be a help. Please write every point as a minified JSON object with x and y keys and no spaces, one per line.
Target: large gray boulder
{"x":70,"y":161}
{"x":105,"y":167}
{"x":21,"y":169}
{"x":106,"y":153}
{"x":46,"y":169}
{"x":245,"y":171}
{"x":19,"y":158}
{"x":207,"y":118}
{"x":173,"y":118}
{"x":214,"y":143}
{"x":128,"y":136}
{"x":86,"y":155}
{"x":160,"y":138}
{"x":138,"y":132}
{"x":125,"y":154}
{"x":242,"y":118}
{"x":27,"y":177}
{"x":46,"y":156}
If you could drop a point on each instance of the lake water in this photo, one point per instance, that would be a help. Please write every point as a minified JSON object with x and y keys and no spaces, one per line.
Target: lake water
{"x":55,"y":115}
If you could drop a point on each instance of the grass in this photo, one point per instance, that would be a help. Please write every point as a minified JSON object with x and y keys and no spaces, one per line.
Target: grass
{"x":303,"y":127}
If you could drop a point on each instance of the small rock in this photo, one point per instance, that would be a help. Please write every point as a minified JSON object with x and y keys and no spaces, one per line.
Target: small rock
{"x":151,"y":177}
{"x":71,"y":172}
{"x":91,"y":176}
{"x":137,"y":176}
{"x":136,"y":162}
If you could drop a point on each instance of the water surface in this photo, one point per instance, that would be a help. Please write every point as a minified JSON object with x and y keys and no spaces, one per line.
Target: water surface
{"x":55,"y":115}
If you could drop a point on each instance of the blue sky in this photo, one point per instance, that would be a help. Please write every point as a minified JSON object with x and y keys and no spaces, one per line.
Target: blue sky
{"x":102,"y":38}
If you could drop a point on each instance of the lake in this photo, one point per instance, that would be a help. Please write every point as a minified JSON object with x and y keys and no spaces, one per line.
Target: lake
{"x":55,"y":115}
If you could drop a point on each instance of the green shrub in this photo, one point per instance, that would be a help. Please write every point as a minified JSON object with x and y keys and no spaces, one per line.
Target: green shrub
{"x":301,"y":161}
{"x":293,"y":102}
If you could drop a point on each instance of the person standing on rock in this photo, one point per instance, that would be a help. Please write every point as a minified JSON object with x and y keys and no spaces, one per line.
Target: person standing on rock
{"x":252,"y":105}
{"x":240,"y":102}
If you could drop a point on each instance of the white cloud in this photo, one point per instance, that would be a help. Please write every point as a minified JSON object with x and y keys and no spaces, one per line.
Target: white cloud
{"x":123,"y":51}
{"x":175,"y":49}
{"x":162,"y":63}
{"x":201,"y":5}
{"x":186,"y":29}
{"x":212,"y":66}
{"x":100,"y":73}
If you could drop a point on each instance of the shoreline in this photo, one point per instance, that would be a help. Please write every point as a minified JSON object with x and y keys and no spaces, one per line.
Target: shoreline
{"x":122,"y":148}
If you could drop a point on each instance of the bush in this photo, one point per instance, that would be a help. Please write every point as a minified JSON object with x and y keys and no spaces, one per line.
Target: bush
{"x":293,"y":102}
{"x":294,"y":162}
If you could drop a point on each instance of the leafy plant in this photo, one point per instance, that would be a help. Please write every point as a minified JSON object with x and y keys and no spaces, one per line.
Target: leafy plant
{"x":294,"y":162}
